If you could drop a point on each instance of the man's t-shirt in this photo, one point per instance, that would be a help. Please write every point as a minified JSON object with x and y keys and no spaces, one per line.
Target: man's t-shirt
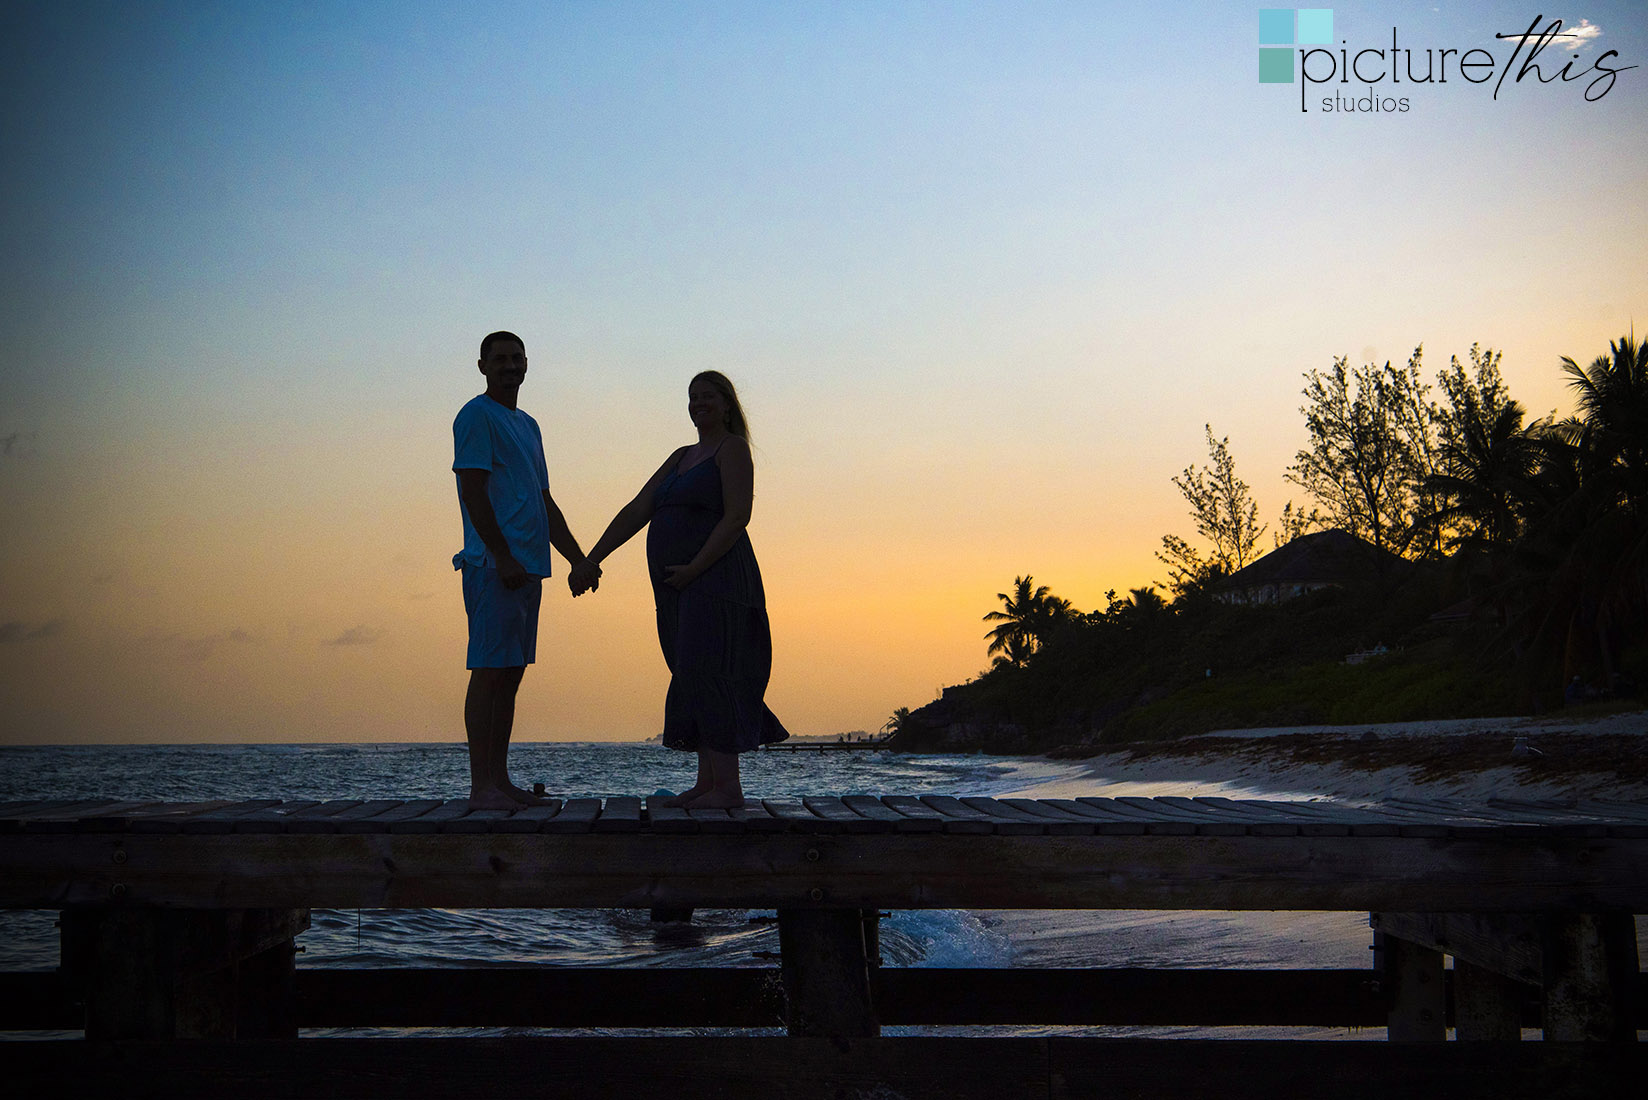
{"x":507,"y":444}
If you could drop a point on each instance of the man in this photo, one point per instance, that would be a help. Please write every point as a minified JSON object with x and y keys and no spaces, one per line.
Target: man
{"x":510,"y":522}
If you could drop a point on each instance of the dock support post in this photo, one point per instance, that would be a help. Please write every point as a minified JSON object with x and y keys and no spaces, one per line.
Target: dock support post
{"x":826,"y":973}
{"x":152,"y":973}
{"x":1412,"y":976}
{"x":1590,"y":977}
{"x":1486,"y":1005}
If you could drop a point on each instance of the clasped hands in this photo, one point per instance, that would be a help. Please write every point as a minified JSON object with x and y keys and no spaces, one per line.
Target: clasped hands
{"x":584,"y":577}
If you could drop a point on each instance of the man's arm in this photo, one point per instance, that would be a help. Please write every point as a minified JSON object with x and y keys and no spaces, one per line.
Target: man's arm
{"x":472,"y":490}
{"x":560,"y":537}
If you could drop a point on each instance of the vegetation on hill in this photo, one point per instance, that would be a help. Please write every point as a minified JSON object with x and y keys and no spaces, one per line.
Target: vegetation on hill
{"x":1536,"y":533}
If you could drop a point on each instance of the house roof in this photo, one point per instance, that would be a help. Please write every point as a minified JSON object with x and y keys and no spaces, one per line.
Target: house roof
{"x":1321,"y":557}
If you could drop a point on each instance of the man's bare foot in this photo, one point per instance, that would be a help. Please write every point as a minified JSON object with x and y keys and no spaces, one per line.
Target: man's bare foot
{"x":525,"y":798}
{"x":717,"y":800}
{"x":679,"y":801}
{"x":492,"y":799}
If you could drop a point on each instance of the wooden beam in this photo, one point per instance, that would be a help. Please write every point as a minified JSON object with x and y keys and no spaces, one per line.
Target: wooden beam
{"x":919,"y":1068}
{"x":899,"y":871}
{"x":753,"y":997}
{"x":1487,"y":1005}
{"x":1590,"y":977}
{"x":1505,"y":943}
{"x":1412,"y":976}
{"x":151,"y":973}
{"x":826,"y":973}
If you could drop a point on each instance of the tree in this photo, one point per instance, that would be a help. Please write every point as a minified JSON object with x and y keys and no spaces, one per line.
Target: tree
{"x":1029,"y":618}
{"x":1361,"y":462}
{"x":1294,"y":522}
{"x":1188,"y":573}
{"x":1612,"y":394}
{"x":1224,"y":513}
{"x":1486,"y":458}
{"x":1414,"y":417}
{"x":1221,"y":505}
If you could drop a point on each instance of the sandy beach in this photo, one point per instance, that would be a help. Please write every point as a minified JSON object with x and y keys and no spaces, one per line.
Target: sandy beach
{"x":1464,"y":760}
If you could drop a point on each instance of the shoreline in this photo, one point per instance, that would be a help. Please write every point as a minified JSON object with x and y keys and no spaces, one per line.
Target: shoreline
{"x":1463,"y":760}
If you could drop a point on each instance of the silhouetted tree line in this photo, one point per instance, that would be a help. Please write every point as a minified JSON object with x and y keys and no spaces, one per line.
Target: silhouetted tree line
{"x":1541,"y":526}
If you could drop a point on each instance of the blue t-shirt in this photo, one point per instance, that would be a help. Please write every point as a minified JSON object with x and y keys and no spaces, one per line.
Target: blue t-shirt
{"x":507,"y":444}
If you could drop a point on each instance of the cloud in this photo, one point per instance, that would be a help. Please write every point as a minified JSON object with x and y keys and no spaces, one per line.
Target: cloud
{"x":356,"y":635}
{"x":197,"y":648}
{"x":14,"y":631}
{"x":1583,"y":35}
{"x":17,"y":444}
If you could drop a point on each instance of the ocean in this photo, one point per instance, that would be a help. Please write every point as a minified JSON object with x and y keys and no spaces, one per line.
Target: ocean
{"x":576,"y":937}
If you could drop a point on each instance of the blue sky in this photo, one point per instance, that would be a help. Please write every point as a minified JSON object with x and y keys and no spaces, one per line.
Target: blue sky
{"x":982,"y":272}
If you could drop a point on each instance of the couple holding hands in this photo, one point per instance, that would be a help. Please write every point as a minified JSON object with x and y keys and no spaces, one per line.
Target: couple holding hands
{"x":712,"y":617}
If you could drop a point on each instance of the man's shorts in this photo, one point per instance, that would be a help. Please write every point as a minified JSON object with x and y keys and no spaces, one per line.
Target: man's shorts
{"x":503,"y":622}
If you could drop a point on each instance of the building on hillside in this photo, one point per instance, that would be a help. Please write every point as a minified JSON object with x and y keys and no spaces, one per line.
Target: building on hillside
{"x":1321,"y":559}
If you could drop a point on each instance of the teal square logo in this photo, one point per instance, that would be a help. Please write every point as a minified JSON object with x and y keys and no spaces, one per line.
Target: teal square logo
{"x":1276,"y":27}
{"x":1315,"y":27}
{"x":1275,"y":65}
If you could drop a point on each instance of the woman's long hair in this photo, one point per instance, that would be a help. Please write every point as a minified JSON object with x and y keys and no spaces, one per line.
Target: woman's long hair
{"x":736,"y":424}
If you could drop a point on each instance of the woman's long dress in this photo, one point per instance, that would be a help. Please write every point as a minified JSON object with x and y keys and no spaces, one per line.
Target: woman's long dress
{"x":714,"y":632}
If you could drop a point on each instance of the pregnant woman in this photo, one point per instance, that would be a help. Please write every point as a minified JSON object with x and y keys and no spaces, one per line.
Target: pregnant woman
{"x":712,"y":611}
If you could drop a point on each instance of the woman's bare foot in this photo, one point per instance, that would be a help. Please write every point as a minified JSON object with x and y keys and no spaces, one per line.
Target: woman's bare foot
{"x":680,"y":801}
{"x":717,"y":800}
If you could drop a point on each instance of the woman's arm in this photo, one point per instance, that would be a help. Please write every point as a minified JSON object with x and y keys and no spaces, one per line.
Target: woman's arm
{"x":634,"y":515}
{"x":737,"y":498}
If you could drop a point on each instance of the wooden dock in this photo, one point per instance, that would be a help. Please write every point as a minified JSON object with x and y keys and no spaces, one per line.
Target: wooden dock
{"x":180,"y":921}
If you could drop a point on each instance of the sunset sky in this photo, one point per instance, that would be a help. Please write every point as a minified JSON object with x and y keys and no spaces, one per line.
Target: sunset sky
{"x":981,"y":272}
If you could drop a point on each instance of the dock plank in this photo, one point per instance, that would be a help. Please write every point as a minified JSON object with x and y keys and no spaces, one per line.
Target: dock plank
{"x":431,"y":820}
{"x":1105,"y":822}
{"x":797,"y":818}
{"x":755,"y":818}
{"x":167,"y":817}
{"x":17,"y":820}
{"x":1332,"y":819}
{"x":111,"y":815}
{"x":850,"y":820}
{"x":915,"y":809}
{"x":221,"y":822}
{"x":1156,"y":822}
{"x":530,"y":819}
{"x":1060,"y":822}
{"x":317,"y":818}
{"x":668,"y":820}
{"x":620,"y":814}
{"x":1206,"y":821}
{"x":380,"y":822}
{"x":868,"y":805}
{"x":1043,"y":822}
{"x":578,"y":815}
{"x":476,"y":821}
{"x":719,"y":822}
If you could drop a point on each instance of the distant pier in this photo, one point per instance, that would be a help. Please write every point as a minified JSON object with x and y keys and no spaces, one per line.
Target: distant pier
{"x":876,"y":744}
{"x":181,"y":921}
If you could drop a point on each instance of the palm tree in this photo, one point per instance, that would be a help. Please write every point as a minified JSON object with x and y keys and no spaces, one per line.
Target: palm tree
{"x":1612,"y":394}
{"x":1487,"y":478}
{"x":1029,"y":617}
{"x":1582,"y":561}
